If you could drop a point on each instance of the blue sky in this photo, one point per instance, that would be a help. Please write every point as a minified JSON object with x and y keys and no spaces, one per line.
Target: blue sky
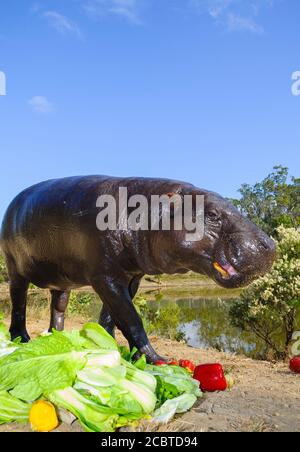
{"x":197,"y":90}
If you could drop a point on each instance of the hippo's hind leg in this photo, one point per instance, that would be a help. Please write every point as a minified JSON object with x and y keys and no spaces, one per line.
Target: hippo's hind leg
{"x":118,"y":304}
{"x":59,"y":304}
{"x":18,"y":293}
{"x":106,"y":319}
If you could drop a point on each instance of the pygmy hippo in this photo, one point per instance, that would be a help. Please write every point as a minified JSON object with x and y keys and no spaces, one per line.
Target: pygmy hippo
{"x":49,"y":238}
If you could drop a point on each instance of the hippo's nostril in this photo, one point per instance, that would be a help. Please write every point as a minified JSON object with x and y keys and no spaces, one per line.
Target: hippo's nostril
{"x":265,"y":246}
{"x":268,"y":246}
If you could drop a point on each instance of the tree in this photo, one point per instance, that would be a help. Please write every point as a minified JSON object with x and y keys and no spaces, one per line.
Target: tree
{"x":273,"y":202}
{"x":269,"y":306}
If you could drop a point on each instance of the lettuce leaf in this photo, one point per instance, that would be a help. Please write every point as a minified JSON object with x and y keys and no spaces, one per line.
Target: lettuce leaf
{"x":41,"y":366}
{"x":99,"y":336}
{"x":93,"y":417}
{"x":126,"y":393}
{"x":12,"y":409}
{"x":6,"y":346}
{"x":172,"y":381}
{"x":179,"y":405}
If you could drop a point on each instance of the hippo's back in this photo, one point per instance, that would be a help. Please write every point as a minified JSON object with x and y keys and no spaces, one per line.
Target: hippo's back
{"x":52,"y":223}
{"x":49,"y":232}
{"x":57,"y":200}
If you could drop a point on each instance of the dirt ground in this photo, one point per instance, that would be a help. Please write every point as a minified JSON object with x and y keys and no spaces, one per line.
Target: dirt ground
{"x":266,"y":396}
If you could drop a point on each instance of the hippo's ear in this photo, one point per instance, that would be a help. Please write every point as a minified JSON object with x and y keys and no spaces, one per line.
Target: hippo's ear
{"x":175,"y":193}
{"x":172,"y":207}
{"x":191,"y":194}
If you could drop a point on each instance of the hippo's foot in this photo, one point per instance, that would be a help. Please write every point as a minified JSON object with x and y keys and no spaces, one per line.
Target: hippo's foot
{"x":151,"y":355}
{"x":22,"y":334}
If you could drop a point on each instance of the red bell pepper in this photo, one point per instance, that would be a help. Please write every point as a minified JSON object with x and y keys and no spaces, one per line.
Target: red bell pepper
{"x":160,"y":363}
{"x":211,"y":377}
{"x":173,"y":363}
{"x":295,"y":364}
{"x":188,"y":365}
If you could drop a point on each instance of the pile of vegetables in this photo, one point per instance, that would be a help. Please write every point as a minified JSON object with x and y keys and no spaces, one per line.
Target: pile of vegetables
{"x":86,"y":373}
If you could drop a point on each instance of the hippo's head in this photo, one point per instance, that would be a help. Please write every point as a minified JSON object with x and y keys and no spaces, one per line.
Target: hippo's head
{"x":233,"y":252}
{"x":237,"y":250}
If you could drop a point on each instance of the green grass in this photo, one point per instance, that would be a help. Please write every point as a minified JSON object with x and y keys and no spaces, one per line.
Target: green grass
{"x":187,"y":277}
{"x":192,"y":292}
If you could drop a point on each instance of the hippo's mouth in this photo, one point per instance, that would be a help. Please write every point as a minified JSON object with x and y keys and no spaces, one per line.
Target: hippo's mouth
{"x":225,"y":270}
{"x":229,"y":277}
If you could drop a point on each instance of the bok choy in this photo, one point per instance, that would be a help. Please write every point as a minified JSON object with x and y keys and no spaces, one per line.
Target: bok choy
{"x":88,"y":374}
{"x":12,"y":409}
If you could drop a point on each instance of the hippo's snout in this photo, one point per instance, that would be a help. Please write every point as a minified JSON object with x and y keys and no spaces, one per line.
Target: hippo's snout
{"x":244,"y":258}
{"x":252,"y":255}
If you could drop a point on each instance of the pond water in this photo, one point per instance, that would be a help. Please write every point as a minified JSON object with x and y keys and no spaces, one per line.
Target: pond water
{"x":201,"y":322}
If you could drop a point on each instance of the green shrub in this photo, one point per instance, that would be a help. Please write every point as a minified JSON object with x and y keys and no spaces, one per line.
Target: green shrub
{"x":269,"y":306}
{"x":79,"y":302}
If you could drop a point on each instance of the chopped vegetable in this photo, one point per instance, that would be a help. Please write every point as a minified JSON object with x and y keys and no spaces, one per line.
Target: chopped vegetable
{"x":43,"y":417}
{"x":211,"y":377}
{"x":161,"y":363}
{"x":12,"y":409}
{"x":295,"y":365}
{"x":188,"y":365}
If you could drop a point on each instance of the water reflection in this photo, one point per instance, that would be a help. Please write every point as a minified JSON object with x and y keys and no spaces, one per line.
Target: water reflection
{"x":204,"y":323}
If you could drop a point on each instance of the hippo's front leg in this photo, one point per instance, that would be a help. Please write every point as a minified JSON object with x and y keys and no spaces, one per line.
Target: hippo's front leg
{"x":107,"y":322}
{"x":118,"y":302}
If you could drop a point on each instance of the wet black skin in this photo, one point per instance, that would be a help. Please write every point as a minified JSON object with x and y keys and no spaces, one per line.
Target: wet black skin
{"x":49,"y":238}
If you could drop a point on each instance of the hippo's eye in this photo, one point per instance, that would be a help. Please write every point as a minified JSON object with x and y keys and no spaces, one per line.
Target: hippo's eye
{"x":213,"y":216}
